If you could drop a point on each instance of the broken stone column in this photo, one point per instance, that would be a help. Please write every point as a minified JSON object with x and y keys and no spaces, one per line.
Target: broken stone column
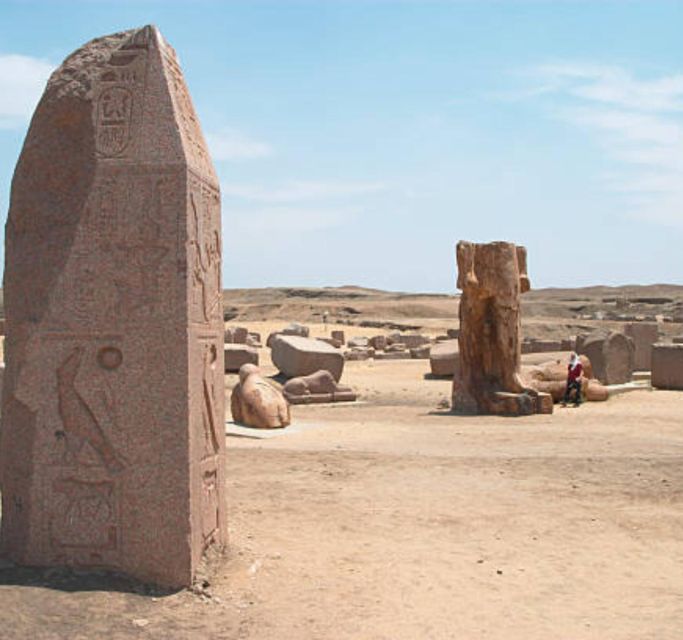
{"x":112,"y":448}
{"x":492,"y":277}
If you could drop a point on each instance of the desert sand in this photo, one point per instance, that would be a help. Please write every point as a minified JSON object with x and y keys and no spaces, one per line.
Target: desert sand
{"x":392,"y":519}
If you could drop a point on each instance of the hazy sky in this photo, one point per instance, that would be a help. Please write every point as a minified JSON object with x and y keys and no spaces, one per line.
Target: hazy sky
{"x":357,"y":141}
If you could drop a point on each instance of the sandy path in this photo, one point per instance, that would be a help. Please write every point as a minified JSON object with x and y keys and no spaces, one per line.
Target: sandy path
{"x":390,"y":520}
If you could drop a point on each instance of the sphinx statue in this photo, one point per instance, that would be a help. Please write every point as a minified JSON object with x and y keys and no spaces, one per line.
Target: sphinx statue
{"x":317,"y":387}
{"x":255,"y":402}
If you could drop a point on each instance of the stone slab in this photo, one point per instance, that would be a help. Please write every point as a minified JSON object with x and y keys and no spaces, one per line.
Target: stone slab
{"x":236,"y":355}
{"x":667,"y":366}
{"x":296,"y":356}
{"x":644,"y":335}
{"x":443,"y":358}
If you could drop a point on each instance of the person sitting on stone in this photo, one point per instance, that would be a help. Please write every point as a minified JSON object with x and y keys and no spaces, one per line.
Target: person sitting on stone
{"x":574,"y":373}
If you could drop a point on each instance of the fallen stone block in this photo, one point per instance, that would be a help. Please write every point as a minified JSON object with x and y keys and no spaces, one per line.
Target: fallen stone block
{"x":420,"y":353}
{"x":254,"y":339}
{"x":331,"y":341}
{"x":395,"y":347}
{"x":667,"y":366}
{"x":338,"y":335}
{"x":412,"y":340}
{"x":443,"y":358}
{"x":272,"y":337}
{"x":360,"y":341}
{"x":378,"y":342}
{"x":359,"y":353}
{"x":568,"y":344}
{"x":393,"y":355}
{"x":295,"y":356}
{"x":237,"y":355}
{"x":296,"y":329}
{"x":644,"y":335}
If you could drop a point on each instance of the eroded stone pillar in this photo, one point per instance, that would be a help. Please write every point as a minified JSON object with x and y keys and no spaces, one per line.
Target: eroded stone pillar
{"x":112,"y":447}
{"x":492,"y":277}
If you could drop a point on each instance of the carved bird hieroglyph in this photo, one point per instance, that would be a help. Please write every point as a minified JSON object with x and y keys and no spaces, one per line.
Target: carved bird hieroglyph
{"x":80,"y":423}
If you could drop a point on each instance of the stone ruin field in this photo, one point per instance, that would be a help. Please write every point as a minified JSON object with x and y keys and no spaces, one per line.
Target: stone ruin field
{"x":390,"y":518}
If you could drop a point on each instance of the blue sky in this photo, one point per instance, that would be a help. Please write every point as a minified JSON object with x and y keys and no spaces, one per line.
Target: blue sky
{"x":357,"y":141}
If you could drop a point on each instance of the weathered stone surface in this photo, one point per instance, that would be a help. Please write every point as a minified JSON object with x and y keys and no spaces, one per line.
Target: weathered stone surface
{"x":453,"y":334}
{"x":296,"y":329}
{"x":338,"y":335}
{"x":255,"y":402}
{"x":254,"y":339}
{"x":444,"y":358}
{"x":541,"y":346}
{"x":317,"y":388}
{"x":378,"y":342}
{"x":568,"y":344}
{"x":677,"y":339}
{"x":359,"y":341}
{"x":411,"y":340}
{"x":236,"y":335}
{"x":492,"y":277}
{"x":240,"y":335}
{"x":331,"y":341}
{"x":667,"y":366}
{"x":237,"y":355}
{"x":295,"y":356}
{"x":272,"y":337}
{"x":395,"y":347}
{"x":359,"y":353}
{"x":611,"y":354}
{"x":420,"y":353}
{"x":644,"y":335}
{"x":404,"y":354}
{"x":112,"y":448}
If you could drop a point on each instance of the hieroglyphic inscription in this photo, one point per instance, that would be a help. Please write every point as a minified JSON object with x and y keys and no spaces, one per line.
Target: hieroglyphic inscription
{"x":205,"y":252}
{"x":86,"y":466}
{"x":142,"y":248}
{"x":208,"y":414}
{"x":83,"y":514}
{"x":209,"y":506}
{"x":120,"y":91}
{"x":81,"y":424}
{"x":124,"y":254}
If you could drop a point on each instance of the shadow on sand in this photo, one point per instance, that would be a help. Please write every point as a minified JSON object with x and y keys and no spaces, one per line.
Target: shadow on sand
{"x":73,"y":580}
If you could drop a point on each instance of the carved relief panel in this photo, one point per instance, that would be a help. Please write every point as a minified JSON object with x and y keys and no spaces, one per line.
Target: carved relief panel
{"x":204,"y":253}
{"x":83,"y":443}
{"x":120,"y":92}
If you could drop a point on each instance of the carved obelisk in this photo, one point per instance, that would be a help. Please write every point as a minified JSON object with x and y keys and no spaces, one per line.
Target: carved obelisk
{"x":112,"y":448}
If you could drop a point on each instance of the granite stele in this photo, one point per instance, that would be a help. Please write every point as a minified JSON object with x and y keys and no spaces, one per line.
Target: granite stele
{"x":112,"y":445}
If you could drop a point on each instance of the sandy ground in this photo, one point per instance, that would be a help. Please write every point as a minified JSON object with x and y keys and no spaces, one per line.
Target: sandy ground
{"x":392,"y":520}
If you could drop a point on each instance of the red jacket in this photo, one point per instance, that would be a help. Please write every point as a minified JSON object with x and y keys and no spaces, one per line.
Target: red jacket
{"x":575,"y":371}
